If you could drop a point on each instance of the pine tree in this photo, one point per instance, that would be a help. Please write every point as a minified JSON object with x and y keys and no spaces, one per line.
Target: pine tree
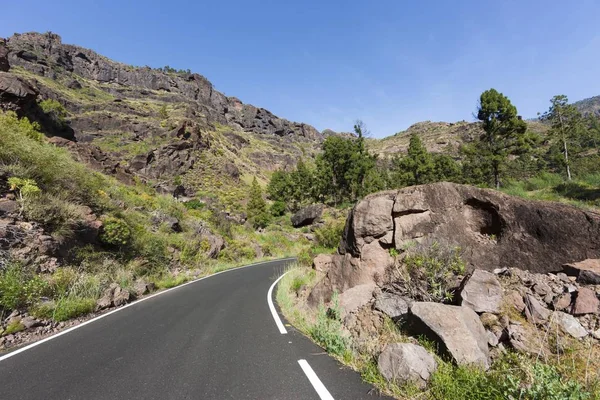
{"x":502,"y":130}
{"x":567,"y":129}
{"x":256,"y":209}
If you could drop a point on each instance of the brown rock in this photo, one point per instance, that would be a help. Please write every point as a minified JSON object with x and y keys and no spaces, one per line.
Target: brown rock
{"x":535,"y":311}
{"x":586,"y":271}
{"x":586,"y":302}
{"x":562,"y":302}
{"x":515,"y":300}
{"x":323,"y":262}
{"x":353,"y":299}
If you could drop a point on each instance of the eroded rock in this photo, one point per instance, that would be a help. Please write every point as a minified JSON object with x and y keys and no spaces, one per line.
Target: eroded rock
{"x":307,"y":215}
{"x":404,"y":363}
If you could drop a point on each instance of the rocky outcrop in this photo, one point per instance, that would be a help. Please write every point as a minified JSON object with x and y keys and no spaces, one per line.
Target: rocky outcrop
{"x":404,"y":363}
{"x":493,"y":230}
{"x":4,"y":65}
{"x":307,"y":216}
{"x":46,"y":55}
{"x":15,"y":94}
{"x":586,"y":271}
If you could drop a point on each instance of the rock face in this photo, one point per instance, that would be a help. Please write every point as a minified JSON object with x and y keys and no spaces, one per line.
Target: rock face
{"x":307,"y":215}
{"x":44,"y":54}
{"x":322,"y":262}
{"x":404,"y":363}
{"x":494,"y":231}
{"x":458,"y":330}
{"x":4,"y":66}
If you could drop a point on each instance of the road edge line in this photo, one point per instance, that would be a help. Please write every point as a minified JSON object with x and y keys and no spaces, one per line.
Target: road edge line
{"x":274,"y":313}
{"x":47,"y":339}
{"x":315,"y":381}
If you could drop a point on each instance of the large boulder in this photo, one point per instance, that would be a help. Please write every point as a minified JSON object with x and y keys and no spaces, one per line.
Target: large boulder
{"x":494,"y":230}
{"x":353,"y":299}
{"x":482,"y":292}
{"x":307,"y":216}
{"x":586,"y":302}
{"x":458,"y":331}
{"x":404,"y":363}
{"x":393,"y":305}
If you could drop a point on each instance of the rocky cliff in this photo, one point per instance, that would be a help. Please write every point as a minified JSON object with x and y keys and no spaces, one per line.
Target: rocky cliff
{"x":46,"y":55}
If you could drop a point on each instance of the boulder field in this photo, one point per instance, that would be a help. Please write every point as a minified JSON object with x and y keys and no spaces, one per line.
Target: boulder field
{"x":528,"y":267}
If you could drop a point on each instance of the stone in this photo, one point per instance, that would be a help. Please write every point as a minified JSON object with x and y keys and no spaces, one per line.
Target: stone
{"x":30,"y":322}
{"x":570,"y":324}
{"x":370,"y":218}
{"x":492,"y":338}
{"x":393,"y":305}
{"x":586,"y":271}
{"x":535,"y":311}
{"x":322,"y":262}
{"x":9,"y":207}
{"x":515,"y":300}
{"x":562,"y":302}
{"x":457,"y":329}
{"x":120,"y":297}
{"x":523,"y":339}
{"x":404,"y":363}
{"x":542,"y":289}
{"x":307,"y":215}
{"x":586,"y":302}
{"x":482,"y":292}
{"x":141,"y":288}
{"x":353,"y":299}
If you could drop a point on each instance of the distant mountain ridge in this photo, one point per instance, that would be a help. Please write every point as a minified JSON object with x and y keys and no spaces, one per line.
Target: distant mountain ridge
{"x":590,"y":105}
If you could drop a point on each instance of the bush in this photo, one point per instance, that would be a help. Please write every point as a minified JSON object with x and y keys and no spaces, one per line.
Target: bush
{"x":237,"y":250}
{"x":64,"y":309}
{"x":194,"y":204}
{"x":277,"y":209}
{"x":327,"y":331}
{"x":329,"y":236}
{"x":25,"y":187}
{"x":55,"y":213}
{"x":427,"y":269}
{"x":115,"y":231}
{"x":54,"y":110}
{"x":19,"y":287}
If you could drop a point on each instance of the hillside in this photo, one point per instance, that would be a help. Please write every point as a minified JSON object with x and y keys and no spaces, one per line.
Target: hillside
{"x":589,"y":106}
{"x":158,"y":125}
{"x":438,"y":137}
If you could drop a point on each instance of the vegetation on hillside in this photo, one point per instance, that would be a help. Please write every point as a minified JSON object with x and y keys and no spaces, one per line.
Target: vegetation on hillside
{"x":136,"y":241}
{"x":505,"y":152}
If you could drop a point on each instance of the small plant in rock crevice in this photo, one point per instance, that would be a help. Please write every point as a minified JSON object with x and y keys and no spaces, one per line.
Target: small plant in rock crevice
{"x":425,"y":272}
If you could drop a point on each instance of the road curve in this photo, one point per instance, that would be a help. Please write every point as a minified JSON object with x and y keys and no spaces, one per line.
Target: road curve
{"x":212,"y":339}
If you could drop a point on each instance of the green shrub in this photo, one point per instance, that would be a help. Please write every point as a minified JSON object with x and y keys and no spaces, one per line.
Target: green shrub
{"x":25,"y":187}
{"x":194,"y":204}
{"x":13,"y":327}
{"x":427,"y":270}
{"x":237,"y":250}
{"x":115,"y":231}
{"x":54,"y":110}
{"x":169,"y":281}
{"x":54,"y":212}
{"x":330,"y":234}
{"x":277,"y":209}
{"x":305,"y":258}
{"x":465,"y":383}
{"x":19,"y":287}
{"x":65,"y":308}
{"x":327,"y":331}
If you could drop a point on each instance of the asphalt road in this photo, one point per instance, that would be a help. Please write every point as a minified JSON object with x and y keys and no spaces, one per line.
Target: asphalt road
{"x":211,"y":339}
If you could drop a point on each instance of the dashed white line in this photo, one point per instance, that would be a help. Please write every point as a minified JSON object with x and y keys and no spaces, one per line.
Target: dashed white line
{"x":278,"y":322}
{"x":14,"y":353}
{"x":315,"y":381}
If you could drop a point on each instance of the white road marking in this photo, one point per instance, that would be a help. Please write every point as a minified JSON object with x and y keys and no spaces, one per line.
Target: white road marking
{"x":315,"y":381}
{"x":32,"y":345}
{"x":278,"y":322}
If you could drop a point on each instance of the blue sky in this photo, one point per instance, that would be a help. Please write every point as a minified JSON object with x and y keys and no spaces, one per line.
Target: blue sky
{"x":390,"y":63}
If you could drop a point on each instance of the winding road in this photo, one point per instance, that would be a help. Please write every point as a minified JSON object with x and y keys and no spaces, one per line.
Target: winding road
{"x":216,"y":338}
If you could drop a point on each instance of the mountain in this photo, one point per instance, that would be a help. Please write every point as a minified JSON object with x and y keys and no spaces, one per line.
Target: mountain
{"x":589,"y":106}
{"x":158,"y":125}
